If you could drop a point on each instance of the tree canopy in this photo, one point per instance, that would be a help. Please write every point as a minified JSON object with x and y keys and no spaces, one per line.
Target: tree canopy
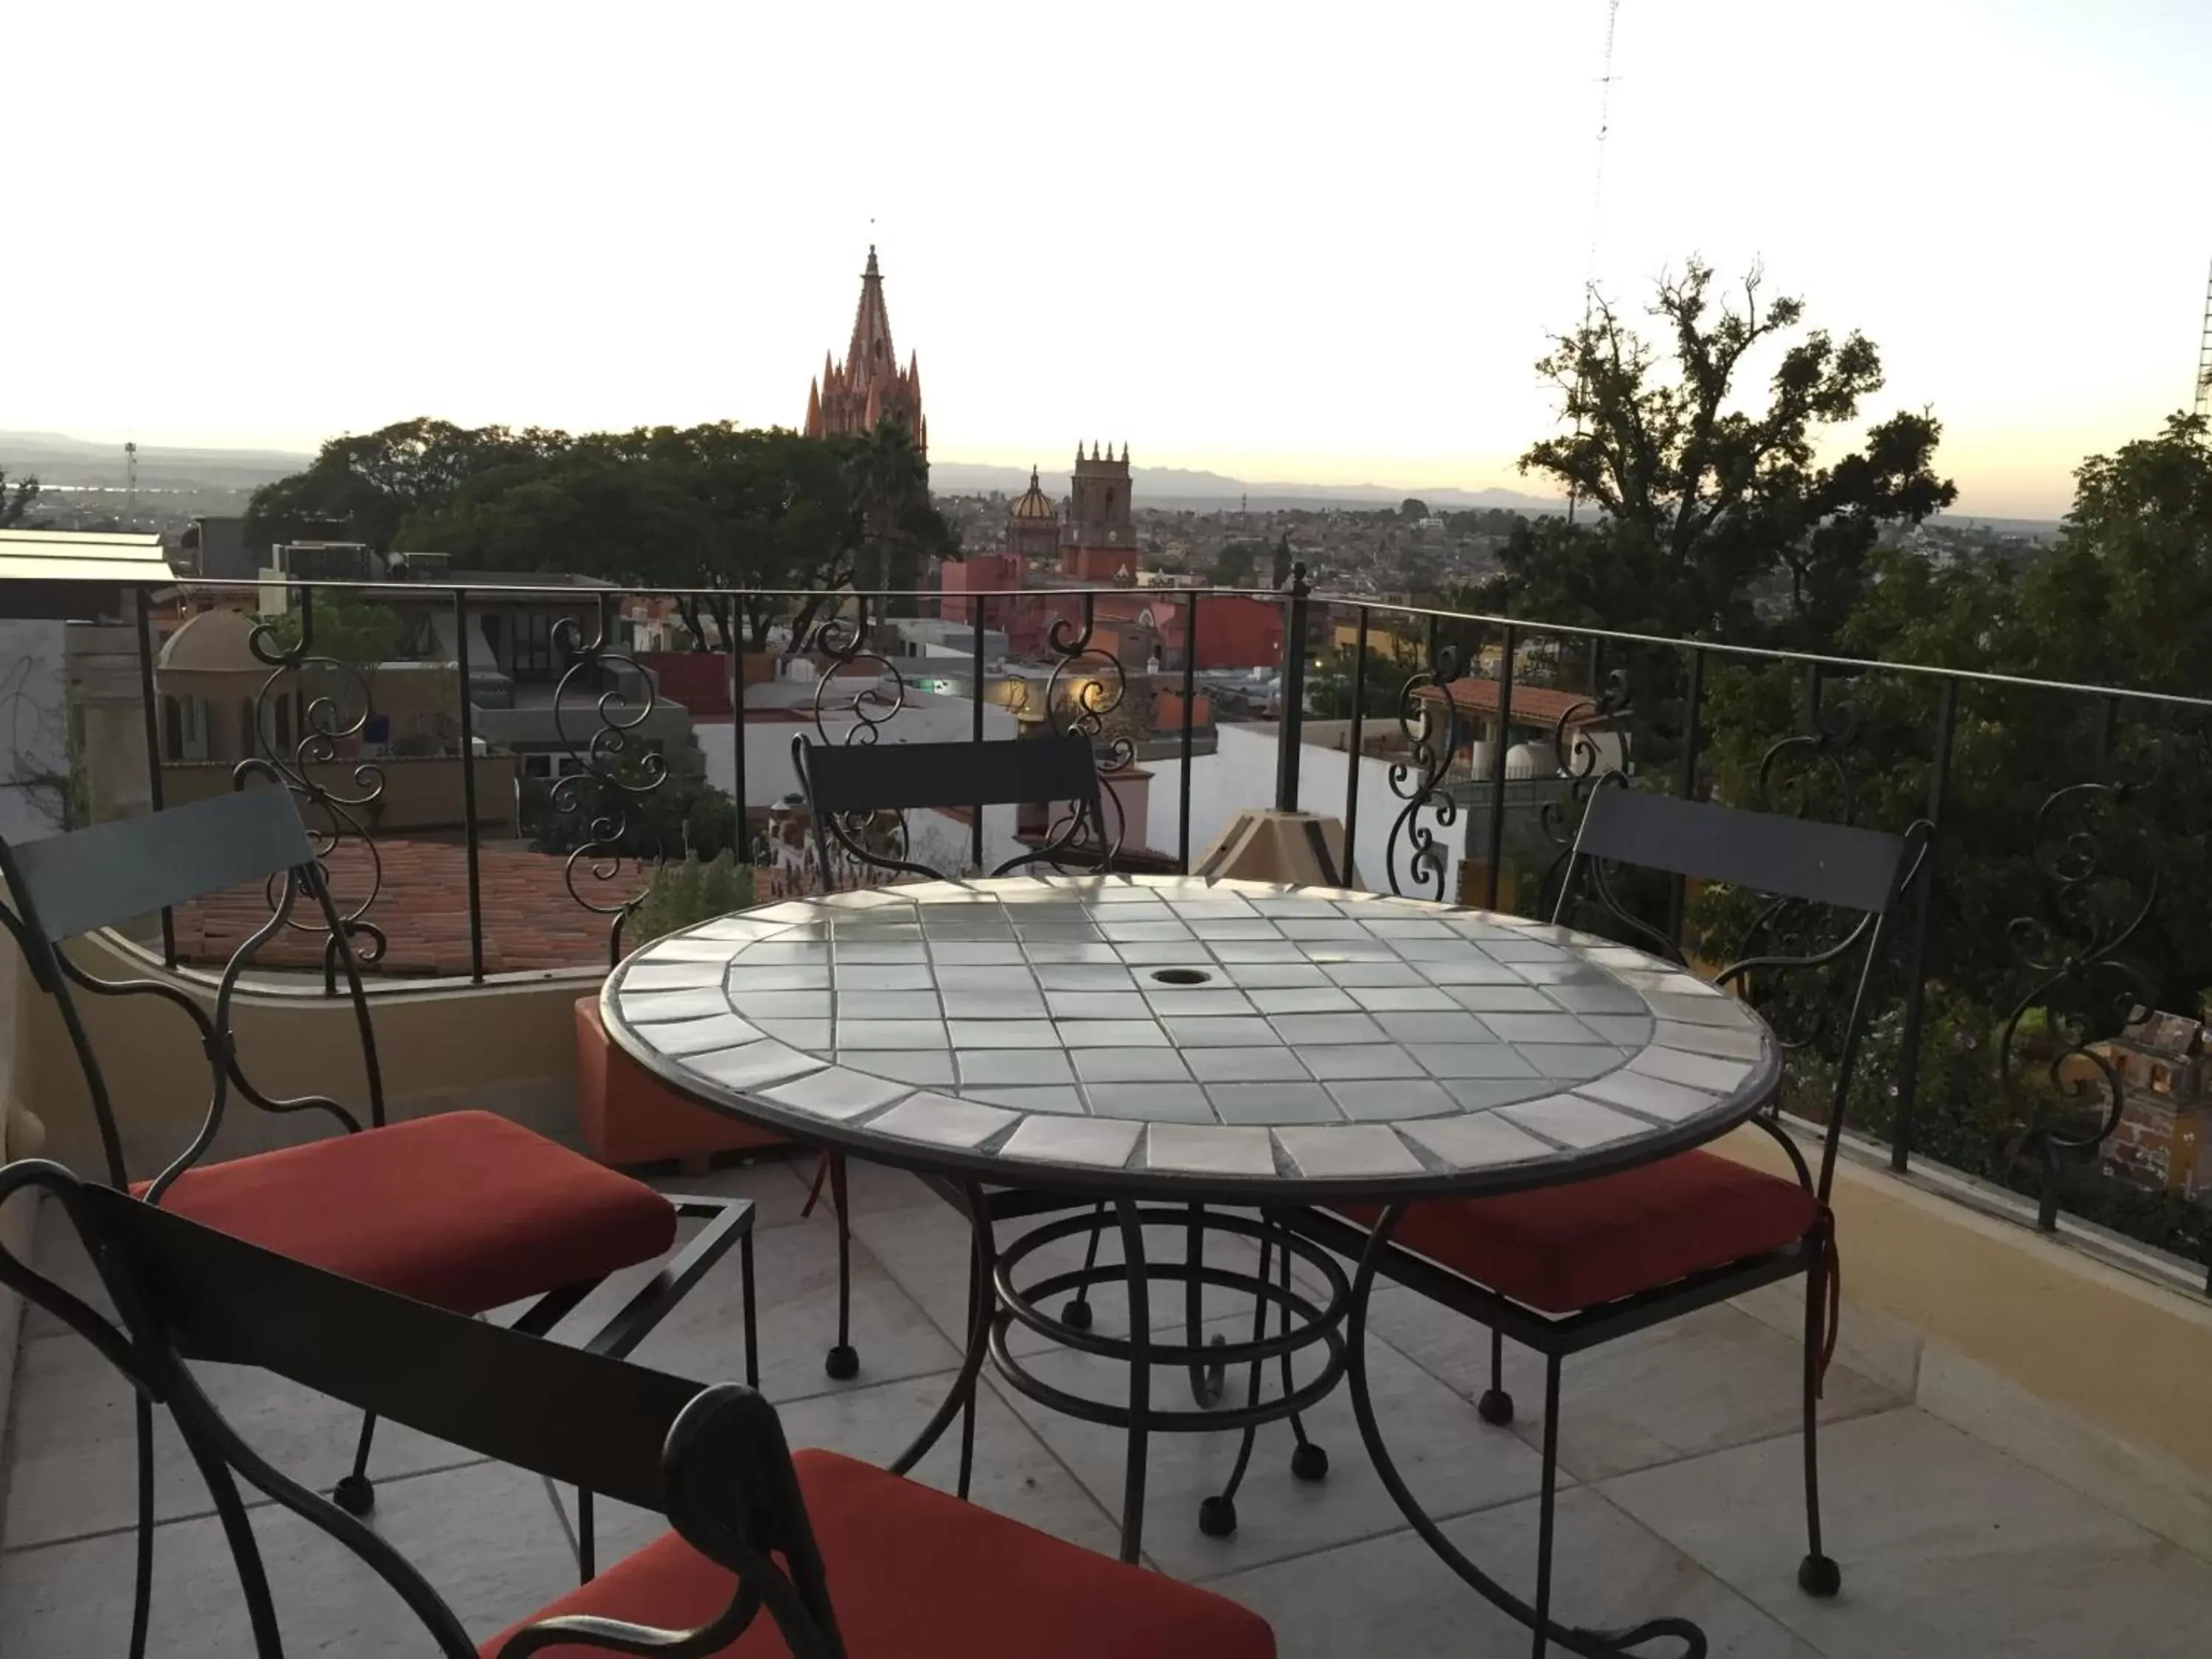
{"x":16,"y":500}
{"x":718,"y":507}
{"x":1709,"y":519}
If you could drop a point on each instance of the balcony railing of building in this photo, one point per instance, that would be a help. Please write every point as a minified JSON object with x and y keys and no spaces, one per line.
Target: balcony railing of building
{"x":478,"y":825}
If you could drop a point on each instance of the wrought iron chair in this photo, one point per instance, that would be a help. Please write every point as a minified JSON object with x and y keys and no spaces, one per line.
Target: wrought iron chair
{"x":852,"y":788}
{"x":463,"y":1209}
{"x":756,"y":1529}
{"x":1563,"y":1269}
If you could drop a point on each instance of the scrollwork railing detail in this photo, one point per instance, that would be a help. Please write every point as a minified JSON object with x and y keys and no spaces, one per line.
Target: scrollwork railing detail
{"x":611,"y":769}
{"x":1087,"y":688}
{"x":1429,"y":721}
{"x":864,"y":841}
{"x":331,"y":704}
{"x":2101,"y":887}
{"x":1582,"y":765}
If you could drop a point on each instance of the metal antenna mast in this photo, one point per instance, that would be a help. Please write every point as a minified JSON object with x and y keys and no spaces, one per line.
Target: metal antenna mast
{"x":1597,"y":195}
{"x":2204,"y":399}
{"x":129,"y":483}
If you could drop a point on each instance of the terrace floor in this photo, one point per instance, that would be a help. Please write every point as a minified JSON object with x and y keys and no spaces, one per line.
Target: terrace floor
{"x":1679,"y":1460}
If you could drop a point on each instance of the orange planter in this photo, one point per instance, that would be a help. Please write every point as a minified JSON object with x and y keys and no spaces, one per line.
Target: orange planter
{"x":628,"y":1116}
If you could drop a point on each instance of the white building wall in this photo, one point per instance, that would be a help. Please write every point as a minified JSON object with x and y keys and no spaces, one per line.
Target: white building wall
{"x":1241,"y":774}
{"x":33,"y":740}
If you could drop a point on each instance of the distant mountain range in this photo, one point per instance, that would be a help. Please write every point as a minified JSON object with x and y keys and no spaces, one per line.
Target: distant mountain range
{"x":1173,"y":487}
{"x":64,"y":461}
{"x":57,"y":459}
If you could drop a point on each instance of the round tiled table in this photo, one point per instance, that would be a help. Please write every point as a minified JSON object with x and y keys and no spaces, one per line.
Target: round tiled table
{"x":1169,"y":1035}
{"x":1130,"y":1041}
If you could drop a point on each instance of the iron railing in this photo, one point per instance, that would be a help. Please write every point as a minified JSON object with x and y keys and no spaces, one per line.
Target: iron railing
{"x":2003,"y":1044}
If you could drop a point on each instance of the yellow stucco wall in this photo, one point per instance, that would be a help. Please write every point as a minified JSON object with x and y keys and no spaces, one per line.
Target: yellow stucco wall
{"x":2115,"y":1349}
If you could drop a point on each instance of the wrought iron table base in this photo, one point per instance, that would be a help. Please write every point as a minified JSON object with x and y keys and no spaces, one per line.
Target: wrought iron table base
{"x":997,"y":1303}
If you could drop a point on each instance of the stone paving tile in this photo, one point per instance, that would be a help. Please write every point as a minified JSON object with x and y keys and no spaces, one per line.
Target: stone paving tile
{"x":1947,"y":1546}
{"x":1715,"y":1378}
{"x":1393,"y":1598}
{"x":487,"y":1537}
{"x":1279,"y":1515}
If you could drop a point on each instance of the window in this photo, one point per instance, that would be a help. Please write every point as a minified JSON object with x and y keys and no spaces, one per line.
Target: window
{"x":186,"y":723}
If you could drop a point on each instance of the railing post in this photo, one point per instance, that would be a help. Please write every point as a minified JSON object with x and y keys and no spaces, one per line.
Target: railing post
{"x":150,"y":707}
{"x":1351,"y":740}
{"x":741,"y":851}
{"x":1189,"y":698}
{"x":1291,"y":734}
{"x":1685,"y":778}
{"x":1511,"y":642}
{"x":1916,"y":984}
{"x":975,"y":731}
{"x":471,"y":833}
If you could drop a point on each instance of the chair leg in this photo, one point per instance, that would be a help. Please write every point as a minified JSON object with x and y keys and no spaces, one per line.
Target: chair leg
{"x":975,"y":1293}
{"x":143,"y":1580}
{"x":1817,"y":1575}
{"x":1077,"y":1315}
{"x":1217,"y":1514}
{"x":587,"y":1555}
{"x":1308,"y":1461}
{"x":357,"y":1494}
{"x":753,"y":1316}
{"x":843,"y":1364}
{"x":1546,"y":1500}
{"x":1496,"y":1406}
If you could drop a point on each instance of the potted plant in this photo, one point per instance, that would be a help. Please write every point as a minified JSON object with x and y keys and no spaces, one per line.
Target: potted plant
{"x":626,"y":1115}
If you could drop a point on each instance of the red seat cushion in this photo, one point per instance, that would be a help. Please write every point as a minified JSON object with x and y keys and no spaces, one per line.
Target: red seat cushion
{"x":465,"y":1210}
{"x":917,"y":1574}
{"x":1564,"y":1249}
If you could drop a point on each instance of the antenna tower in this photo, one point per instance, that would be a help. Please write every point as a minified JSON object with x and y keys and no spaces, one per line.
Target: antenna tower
{"x":1597,"y":191}
{"x":2204,"y":399}
{"x":129,"y":483}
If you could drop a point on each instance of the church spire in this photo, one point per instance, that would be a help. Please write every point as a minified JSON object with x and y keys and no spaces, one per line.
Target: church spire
{"x":813,"y":427}
{"x":869,"y":353}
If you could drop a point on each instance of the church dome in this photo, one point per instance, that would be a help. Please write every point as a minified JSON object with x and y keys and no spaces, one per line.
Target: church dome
{"x":1033,"y":502}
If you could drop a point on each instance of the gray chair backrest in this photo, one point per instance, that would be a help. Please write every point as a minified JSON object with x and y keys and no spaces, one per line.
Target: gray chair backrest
{"x":846,"y":782}
{"x":1791,"y":861}
{"x":68,"y":885}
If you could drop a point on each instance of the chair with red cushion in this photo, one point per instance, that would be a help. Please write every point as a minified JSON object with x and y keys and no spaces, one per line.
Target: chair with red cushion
{"x":465,"y":1210}
{"x":771,"y":1556}
{"x":1562,"y":1269}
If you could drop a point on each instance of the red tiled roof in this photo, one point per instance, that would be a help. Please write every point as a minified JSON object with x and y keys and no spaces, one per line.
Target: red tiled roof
{"x":1533,"y":705}
{"x":531,"y":918}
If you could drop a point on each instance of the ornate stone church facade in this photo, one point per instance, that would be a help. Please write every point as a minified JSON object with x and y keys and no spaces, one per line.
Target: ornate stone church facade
{"x":870,"y":386}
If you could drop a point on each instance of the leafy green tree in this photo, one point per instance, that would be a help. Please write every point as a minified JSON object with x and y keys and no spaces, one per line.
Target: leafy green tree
{"x":1329,"y":688}
{"x":1412,"y":508}
{"x":1237,"y":564}
{"x":351,"y":631}
{"x":890,"y":486}
{"x":364,"y":486}
{"x":16,"y":504}
{"x":1707,"y":519}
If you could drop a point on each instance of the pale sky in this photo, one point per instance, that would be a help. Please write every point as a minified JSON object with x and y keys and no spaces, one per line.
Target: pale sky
{"x":1279,"y":240}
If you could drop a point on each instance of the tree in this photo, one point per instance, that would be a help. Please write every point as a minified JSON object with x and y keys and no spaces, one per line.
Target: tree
{"x":890,"y":486}
{"x":1278,"y":570}
{"x":1238,"y":562}
{"x":1412,"y":508}
{"x":1329,"y":691}
{"x":351,"y":631}
{"x":2123,"y":598}
{"x":363,"y":487}
{"x":16,"y":504}
{"x":1710,"y":520}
